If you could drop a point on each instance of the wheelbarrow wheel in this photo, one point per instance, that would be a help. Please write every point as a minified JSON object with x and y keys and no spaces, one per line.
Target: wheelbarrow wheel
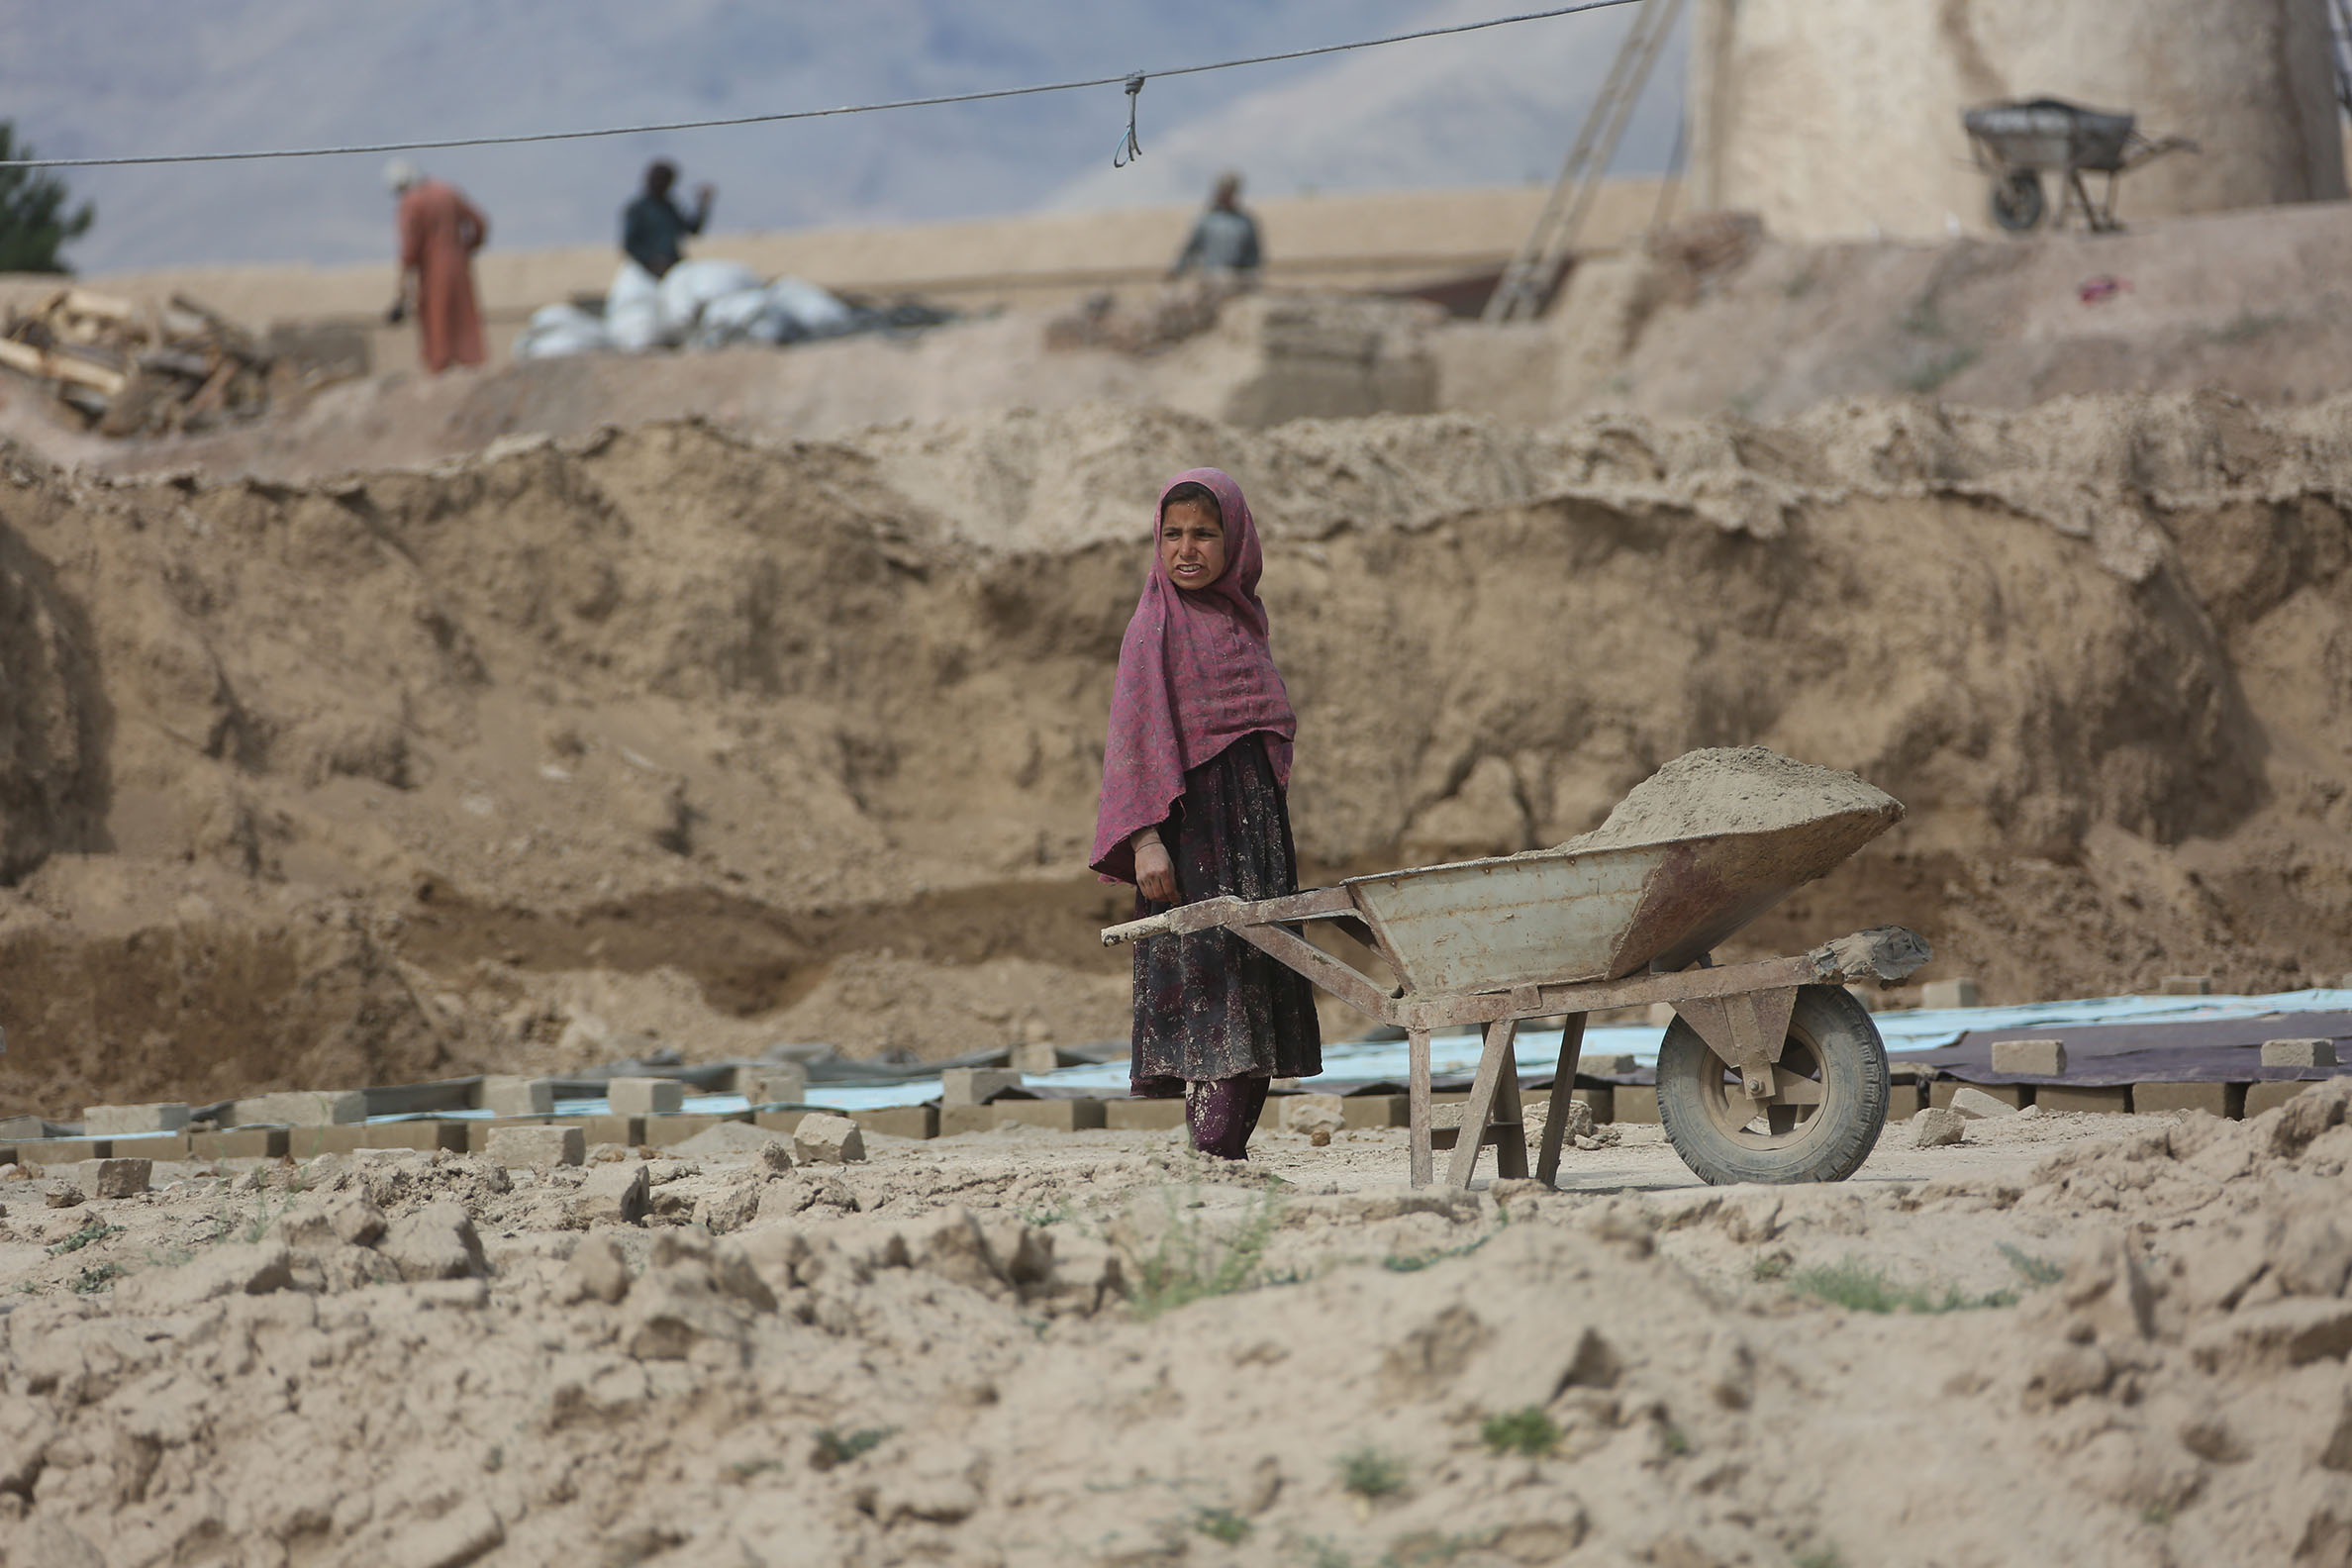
{"x":1821,"y":1127}
{"x":2017,"y":200}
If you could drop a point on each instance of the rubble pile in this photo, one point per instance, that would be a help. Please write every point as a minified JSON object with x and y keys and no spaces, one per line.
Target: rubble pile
{"x":128,"y":369}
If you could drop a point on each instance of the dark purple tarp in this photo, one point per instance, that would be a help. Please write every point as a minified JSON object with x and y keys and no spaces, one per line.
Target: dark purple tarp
{"x":2223,"y":1050}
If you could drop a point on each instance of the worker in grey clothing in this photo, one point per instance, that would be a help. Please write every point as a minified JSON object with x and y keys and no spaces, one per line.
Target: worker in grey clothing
{"x":1225,"y":239}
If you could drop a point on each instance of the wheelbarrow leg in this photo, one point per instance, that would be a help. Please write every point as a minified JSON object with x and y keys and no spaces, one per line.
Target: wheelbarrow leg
{"x":1417,"y":1103}
{"x":1493,"y":1063}
{"x":1563,"y":1095}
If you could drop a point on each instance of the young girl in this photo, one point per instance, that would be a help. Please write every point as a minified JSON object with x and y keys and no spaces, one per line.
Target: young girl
{"x":1192,"y":806}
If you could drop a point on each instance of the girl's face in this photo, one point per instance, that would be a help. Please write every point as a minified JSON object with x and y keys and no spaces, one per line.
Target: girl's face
{"x":1192,"y":545}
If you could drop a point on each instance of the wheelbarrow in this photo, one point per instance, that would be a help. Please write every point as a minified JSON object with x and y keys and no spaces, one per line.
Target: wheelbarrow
{"x":1771,"y":1071}
{"x":2016,"y":141}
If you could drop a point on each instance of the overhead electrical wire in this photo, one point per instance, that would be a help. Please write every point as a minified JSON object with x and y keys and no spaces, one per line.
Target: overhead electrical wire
{"x":1123,"y":79}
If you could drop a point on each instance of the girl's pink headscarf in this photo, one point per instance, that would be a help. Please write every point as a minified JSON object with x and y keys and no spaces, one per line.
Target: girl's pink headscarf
{"x":1196,"y":673}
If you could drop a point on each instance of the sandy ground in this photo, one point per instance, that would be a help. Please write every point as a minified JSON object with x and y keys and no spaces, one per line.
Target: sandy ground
{"x":1024,"y":1348}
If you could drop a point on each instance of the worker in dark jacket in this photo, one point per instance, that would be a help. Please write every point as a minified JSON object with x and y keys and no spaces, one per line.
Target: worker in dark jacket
{"x":1225,"y":239}
{"x":652,"y":227}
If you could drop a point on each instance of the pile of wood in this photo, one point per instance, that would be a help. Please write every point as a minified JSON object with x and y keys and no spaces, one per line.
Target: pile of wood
{"x":132,"y":370}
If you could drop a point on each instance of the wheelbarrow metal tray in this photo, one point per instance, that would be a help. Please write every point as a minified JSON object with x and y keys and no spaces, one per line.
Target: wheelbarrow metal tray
{"x":2051,"y":133}
{"x":1565,"y":916}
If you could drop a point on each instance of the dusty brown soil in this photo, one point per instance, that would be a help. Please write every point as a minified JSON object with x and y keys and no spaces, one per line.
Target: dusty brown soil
{"x":399,"y":774}
{"x":980,"y":1351}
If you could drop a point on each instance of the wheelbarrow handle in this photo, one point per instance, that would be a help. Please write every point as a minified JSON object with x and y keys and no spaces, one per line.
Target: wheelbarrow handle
{"x":1136,"y":931}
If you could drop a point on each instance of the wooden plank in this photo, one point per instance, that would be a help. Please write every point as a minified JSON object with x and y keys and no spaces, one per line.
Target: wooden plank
{"x":1480,"y":1111}
{"x":59,"y":367}
{"x":1296,"y":952}
{"x":1555,"y":1124}
{"x":1417,"y":1105}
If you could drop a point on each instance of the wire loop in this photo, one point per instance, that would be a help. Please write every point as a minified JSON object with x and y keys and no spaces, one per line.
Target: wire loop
{"x":1130,"y":148}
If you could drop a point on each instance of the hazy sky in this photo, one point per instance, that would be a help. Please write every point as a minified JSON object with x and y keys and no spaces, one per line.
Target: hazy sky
{"x":98,"y":77}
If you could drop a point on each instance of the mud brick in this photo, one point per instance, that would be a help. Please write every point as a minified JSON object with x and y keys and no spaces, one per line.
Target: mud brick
{"x":907,"y":1121}
{"x":2270,"y":1096}
{"x":1060,"y":1115}
{"x":645,"y":1097}
{"x":971,"y":1086}
{"x":301,"y":1107}
{"x":1036,"y":1056}
{"x":1367,"y":1111}
{"x":2015,"y":1096}
{"x":1635,"y":1103}
{"x":2112,"y":1099}
{"x":2042,"y":1057}
{"x":625,"y":1130}
{"x":243,"y":1143}
{"x":63,"y":1151}
{"x":448,"y":1136}
{"x":309,"y":1143}
{"x":116,"y":1178}
{"x":26,"y":1127}
{"x":478,"y":1130}
{"x":1958,"y":992}
{"x":117,"y":1121}
{"x":2275,"y":1053}
{"x":2214,"y":1098}
{"x":2186,"y":985}
{"x":662,"y":1131}
{"x":786,"y":1084}
{"x":773,"y":1121}
{"x":156,"y":1146}
{"x":1143,"y":1115}
{"x":506,"y":1094}
{"x":541,"y":1148}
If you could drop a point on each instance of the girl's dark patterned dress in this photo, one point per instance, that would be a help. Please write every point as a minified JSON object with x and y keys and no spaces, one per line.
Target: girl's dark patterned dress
{"x":1208,"y":1006}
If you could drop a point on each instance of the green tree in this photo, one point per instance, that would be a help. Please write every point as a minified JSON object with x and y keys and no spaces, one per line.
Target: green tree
{"x":34,"y":221}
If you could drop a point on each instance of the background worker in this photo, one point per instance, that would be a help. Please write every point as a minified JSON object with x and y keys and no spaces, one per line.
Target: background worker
{"x":652,"y":229}
{"x":440,"y":231}
{"x":1224,"y":243}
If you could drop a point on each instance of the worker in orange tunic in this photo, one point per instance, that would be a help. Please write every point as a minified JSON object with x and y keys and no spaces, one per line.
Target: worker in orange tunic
{"x":440,"y":231}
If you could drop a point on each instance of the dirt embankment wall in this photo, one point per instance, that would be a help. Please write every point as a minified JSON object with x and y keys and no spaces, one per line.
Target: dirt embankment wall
{"x":405,"y":773}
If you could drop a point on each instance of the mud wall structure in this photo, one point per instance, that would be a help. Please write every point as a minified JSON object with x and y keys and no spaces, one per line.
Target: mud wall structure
{"x":1835,"y":118}
{"x":333,"y":783}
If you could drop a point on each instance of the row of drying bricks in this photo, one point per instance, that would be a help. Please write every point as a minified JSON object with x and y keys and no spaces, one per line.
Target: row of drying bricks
{"x":647,"y":1111}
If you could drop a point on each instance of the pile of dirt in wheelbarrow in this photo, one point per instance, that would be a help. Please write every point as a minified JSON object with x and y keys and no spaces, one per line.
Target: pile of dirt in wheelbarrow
{"x":1734,"y":790}
{"x":665,"y":733}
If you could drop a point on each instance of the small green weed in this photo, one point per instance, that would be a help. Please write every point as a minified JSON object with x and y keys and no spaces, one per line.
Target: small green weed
{"x":1936,"y":372}
{"x":1924,"y":319}
{"x":2249,"y":324}
{"x":1826,"y":1557}
{"x":1188,"y":1266}
{"x":94,"y":1230}
{"x":1857,"y":1287}
{"x":1527,"y":1432}
{"x":1318,"y":1551}
{"x":1046,"y":1217}
{"x":839,"y":1449}
{"x":1221,"y":1525}
{"x":746,"y":1469}
{"x":96,"y":1278}
{"x":1370,"y":1473}
{"x":2035,"y":1270}
{"x":1802,"y":284}
{"x":1770,"y":1267}
{"x":2156,"y":1513}
{"x":1675,"y":1442}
